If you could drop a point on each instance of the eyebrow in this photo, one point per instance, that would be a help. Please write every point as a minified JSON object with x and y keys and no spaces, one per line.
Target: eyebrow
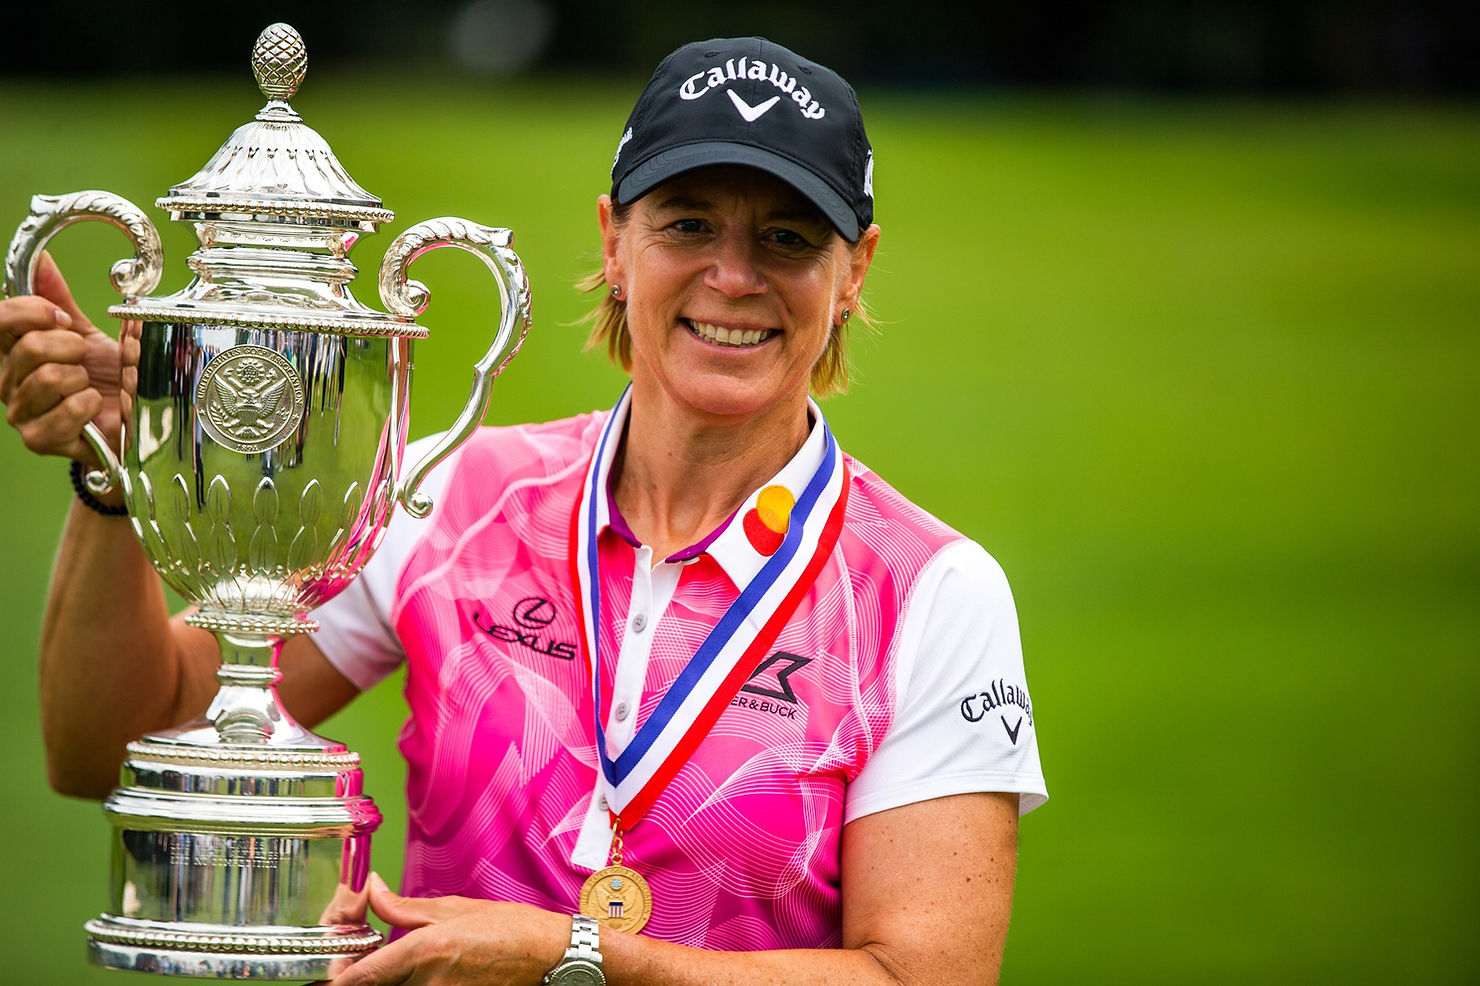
{"x":684,"y":202}
{"x":804,"y":215}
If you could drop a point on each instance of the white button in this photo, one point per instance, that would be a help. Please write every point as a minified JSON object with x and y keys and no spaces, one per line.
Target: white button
{"x":639,"y":623}
{"x":621,"y":711}
{"x":601,"y":802}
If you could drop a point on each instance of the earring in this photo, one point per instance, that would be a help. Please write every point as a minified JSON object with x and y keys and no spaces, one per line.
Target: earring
{"x":847,"y":314}
{"x":617,"y":291}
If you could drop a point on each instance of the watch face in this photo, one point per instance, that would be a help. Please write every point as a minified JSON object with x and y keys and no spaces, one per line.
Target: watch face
{"x":578,"y":972}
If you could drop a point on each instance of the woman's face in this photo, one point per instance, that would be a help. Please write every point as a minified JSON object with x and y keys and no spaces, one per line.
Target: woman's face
{"x":733,"y":281}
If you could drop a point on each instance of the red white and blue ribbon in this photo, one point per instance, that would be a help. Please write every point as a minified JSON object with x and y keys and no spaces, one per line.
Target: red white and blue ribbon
{"x":732,"y":650}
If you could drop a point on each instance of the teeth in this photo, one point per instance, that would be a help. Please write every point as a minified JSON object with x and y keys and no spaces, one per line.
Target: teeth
{"x":722,"y":336}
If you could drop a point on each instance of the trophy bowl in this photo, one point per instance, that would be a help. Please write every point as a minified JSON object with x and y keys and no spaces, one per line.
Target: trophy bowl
{"x":261,"y":457}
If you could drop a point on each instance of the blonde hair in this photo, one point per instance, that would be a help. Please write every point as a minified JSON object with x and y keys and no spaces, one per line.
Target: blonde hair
{"x":609,"y":330}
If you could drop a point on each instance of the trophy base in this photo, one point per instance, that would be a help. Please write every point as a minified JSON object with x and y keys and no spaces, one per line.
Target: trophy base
{"x":237,"y":861}
{"x":198,"y":951}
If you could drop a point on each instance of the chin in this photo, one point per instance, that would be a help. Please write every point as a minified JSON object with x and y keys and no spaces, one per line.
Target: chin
{"x":731,"y":398}
{"x":723,"y":389}
{"x":723,"y":405}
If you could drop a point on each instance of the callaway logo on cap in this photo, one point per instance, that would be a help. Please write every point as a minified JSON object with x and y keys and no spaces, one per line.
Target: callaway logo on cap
{"x":749,"y":101}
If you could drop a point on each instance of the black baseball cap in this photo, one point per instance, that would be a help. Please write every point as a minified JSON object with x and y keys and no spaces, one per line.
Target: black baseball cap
{"x":750,"y":101}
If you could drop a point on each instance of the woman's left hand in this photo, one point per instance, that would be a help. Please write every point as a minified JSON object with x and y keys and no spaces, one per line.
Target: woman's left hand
{"x":453,"y":940}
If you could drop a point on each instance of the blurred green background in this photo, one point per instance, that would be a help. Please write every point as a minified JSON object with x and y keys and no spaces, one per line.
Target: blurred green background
{"x":1200,"y":372}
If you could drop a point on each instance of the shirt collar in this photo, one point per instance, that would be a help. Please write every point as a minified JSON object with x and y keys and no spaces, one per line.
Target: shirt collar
{"x":733,"y":544}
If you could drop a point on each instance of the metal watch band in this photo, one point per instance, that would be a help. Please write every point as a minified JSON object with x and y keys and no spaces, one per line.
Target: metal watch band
{"x":585,"y":939}
{"x":582,"y":961}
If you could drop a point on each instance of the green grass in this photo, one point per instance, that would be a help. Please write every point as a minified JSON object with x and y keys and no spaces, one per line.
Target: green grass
{"x":1202,"y":375}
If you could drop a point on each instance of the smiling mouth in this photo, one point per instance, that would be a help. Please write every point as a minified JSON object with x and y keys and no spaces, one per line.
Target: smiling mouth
{"x":719,"y":335}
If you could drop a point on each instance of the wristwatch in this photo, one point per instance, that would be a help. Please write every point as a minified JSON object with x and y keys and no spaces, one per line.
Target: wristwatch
{"x":582,"y":963}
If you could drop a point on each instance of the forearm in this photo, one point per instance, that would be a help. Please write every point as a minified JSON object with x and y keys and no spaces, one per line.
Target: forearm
{"x":111,"y":667}
{"x":631,"y":960}
{"x":920,"y":952}
{"x":927,"y":899}
{"x":927,"y":890}
{"x":464,"y":940}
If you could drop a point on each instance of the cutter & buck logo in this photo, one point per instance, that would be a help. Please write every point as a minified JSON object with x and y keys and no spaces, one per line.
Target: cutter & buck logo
{"x":772,"y":681}
{"x":738,"y":70}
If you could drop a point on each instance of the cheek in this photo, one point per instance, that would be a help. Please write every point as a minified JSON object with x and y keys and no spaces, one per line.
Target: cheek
{"x":648,"y":322}
{"x":832,"y":280}
{"x":654,"y":280}
{"x":827,"y":292}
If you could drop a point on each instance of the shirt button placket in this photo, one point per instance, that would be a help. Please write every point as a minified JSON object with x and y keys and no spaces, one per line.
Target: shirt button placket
{"x":633,"y":655}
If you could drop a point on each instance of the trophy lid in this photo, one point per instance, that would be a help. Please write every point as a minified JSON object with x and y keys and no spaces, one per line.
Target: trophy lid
{"x":276,"y":167}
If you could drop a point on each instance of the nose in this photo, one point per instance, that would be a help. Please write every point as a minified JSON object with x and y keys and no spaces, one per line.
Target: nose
{"x":734,"y":269}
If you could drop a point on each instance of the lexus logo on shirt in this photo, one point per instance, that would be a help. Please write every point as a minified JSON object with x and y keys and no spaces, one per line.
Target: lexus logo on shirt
{"x":530,"y":615}
{"x":534,"y":613}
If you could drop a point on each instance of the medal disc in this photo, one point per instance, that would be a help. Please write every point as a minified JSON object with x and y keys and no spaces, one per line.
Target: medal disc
{"x":618,"y":897}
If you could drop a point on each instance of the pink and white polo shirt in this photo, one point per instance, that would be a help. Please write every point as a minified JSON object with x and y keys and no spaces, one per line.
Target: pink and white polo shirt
{"x":899,"y":678}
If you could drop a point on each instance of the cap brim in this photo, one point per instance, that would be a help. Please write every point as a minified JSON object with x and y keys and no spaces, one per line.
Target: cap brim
{"x":671,"y":163}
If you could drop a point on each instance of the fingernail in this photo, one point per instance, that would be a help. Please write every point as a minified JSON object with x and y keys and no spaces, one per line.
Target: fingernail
{"x":64,"y":321}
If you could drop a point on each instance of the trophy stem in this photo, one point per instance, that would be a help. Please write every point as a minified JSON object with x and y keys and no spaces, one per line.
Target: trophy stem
{"x":247,"y":710}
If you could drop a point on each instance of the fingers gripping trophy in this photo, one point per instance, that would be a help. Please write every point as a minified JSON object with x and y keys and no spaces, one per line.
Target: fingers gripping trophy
{"x":262,"y":454}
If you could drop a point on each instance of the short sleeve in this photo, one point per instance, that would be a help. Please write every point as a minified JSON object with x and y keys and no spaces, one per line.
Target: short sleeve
{"x":963,"y":719}
{"x":355,"y":631}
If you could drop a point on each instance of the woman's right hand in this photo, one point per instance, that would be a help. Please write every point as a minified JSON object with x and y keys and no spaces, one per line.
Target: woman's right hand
{"x":57,"y":370}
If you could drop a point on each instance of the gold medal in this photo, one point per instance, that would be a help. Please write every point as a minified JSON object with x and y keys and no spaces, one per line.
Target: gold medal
{"x":618,"y":897}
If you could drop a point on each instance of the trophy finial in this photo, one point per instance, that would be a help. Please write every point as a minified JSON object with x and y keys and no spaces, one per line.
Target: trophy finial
{"x":279,"y":60}
{"x":276,"y":167}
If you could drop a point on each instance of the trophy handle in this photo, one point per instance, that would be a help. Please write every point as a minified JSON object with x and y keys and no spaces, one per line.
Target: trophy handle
{"x":131,"y":277}
{"x":405,"y":297}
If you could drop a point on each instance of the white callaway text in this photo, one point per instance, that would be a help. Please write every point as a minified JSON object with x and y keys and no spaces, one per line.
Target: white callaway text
{"x":700,"y":83}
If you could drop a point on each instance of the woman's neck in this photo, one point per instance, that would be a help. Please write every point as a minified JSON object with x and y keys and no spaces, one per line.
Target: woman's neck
{"x":678,"y":477}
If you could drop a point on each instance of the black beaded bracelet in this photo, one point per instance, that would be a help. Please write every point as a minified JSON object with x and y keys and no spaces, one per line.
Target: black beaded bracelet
{"x":88,"y":500}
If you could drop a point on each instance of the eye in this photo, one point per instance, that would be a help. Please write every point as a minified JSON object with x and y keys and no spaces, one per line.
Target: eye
{"x":788,"y":240}
{"x":687,"y":226}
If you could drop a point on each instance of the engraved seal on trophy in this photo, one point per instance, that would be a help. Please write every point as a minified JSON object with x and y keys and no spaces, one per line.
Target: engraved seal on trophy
{"x":249,"y":398}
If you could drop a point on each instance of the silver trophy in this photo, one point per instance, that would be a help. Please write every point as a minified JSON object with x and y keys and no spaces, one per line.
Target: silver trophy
{"x":262,"y":454}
